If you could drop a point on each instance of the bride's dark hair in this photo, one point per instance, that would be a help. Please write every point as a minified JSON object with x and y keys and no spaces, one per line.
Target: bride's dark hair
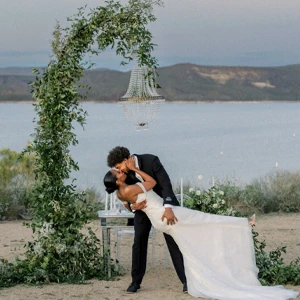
{"x":110,"y":182}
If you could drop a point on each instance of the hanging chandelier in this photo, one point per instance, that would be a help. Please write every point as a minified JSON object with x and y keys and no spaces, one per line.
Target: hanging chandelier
{"x":141,"y":101}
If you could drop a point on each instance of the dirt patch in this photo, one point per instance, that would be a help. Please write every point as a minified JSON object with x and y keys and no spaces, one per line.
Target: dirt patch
{"x":160,"y":281}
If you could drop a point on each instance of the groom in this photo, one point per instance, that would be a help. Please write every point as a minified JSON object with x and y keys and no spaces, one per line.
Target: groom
{"x":151,"y":165}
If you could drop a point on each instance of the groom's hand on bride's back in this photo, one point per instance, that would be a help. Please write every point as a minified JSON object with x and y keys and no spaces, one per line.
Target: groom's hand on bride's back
{"x":169,"y":215}
{"x":139,"y":206}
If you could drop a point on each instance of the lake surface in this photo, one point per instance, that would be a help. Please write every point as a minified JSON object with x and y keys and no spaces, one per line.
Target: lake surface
{"x":240,"y":141}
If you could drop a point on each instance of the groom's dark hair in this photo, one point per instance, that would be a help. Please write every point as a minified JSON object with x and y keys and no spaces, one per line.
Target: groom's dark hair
{"x":117,"y":155}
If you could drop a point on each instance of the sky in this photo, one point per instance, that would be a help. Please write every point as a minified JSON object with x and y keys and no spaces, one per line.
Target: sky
{"x":204,"y":32}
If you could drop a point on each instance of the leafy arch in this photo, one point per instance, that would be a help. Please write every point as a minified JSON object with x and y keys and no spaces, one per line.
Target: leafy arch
{"x":60,"y":251}
{"x":56,"y":91}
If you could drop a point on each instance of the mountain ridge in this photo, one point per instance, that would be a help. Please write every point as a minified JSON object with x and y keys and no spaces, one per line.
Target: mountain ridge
{"x":184,"y":81}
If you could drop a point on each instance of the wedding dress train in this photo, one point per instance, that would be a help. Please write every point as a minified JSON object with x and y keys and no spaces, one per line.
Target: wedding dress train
{"x":218,"y":252}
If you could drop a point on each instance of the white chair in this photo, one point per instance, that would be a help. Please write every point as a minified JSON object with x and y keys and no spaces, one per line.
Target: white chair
{"x":181,"y":198}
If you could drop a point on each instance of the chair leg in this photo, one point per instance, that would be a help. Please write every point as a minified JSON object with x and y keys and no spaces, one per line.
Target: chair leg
{"x":118,"y":238}
{"x":153,"y":248}
{"x":166,"y":256}
{"x":117,"y":249}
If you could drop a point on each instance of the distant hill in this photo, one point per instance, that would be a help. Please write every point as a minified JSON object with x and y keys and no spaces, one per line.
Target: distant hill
{"x":184,"y":82}
{"x":14,"y":87}
{"x":26,"y":71}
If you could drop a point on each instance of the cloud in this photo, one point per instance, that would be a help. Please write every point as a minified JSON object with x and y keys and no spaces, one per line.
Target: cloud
{"x":202,"y":31}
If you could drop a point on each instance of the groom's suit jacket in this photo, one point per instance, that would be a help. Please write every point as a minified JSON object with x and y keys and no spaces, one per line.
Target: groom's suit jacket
{"x":151,"y":165}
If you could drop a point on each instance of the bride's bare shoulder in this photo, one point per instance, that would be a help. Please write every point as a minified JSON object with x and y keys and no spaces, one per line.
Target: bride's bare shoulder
{"x":131,"y":191}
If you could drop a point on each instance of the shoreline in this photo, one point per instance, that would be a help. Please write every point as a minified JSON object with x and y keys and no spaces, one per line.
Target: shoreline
{"x":168,"y":102}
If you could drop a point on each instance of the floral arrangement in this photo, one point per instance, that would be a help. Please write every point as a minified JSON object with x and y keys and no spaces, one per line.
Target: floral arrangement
{"x":210,"y":201}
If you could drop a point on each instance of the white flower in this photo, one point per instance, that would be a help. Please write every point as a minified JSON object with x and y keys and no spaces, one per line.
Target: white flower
{"x":200,"y":177}
{"x":198,"y":192}
{"x":230,"y":211}
{"x":76,"y":249}
{"x":38,"y":249}
{"x":223,"y":201}
{"x":55,"y":205}
{"x":215,"y":205}
{"x":221,"y":193}
{"x":60,"y":248}
{"x":47,"y":228}
{"x":191,"y":190}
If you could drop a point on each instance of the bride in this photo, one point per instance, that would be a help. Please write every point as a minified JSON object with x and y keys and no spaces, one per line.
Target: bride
{"x":218,"y":251}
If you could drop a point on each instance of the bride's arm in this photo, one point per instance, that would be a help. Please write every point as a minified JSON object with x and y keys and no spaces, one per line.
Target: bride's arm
{"x":130,"y":192}
{"x":126,"y":205}
{"x":149,"y":182}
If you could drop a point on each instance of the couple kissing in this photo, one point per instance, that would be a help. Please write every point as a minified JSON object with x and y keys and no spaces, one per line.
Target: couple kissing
{"x":213,"y":255}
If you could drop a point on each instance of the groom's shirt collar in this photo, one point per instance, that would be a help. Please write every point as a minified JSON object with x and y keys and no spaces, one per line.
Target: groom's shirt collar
{"x":138,"y":167}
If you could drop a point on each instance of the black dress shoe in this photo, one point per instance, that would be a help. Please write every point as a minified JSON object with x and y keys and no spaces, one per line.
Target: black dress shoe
{"x":185,"y":290}
{"x":133,"y":288}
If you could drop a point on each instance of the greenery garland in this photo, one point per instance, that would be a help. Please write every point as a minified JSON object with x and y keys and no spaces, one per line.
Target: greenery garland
{"x":60,"y":251}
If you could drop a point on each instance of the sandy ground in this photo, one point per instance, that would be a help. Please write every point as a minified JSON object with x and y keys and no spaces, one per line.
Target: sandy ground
{"x":160,"y":281}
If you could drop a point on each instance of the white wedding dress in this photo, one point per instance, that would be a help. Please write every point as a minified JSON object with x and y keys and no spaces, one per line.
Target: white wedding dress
{"x":218,"y":252}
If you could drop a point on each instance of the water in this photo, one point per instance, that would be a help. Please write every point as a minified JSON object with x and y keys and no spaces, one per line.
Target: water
{"x":239,"y":141}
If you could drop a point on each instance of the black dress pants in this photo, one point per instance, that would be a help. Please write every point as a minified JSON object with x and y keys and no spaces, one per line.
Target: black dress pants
{"x":142,"y":227}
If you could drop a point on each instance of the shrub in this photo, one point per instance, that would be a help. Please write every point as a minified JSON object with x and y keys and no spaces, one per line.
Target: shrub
{"x":94,"y":199}
{"x":277,"y":191}
{"x":210,"y":201}
{"x":16,"y":182}
{"x":274,"y":192}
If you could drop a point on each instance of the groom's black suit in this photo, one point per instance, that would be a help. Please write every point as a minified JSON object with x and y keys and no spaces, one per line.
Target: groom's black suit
{"x":151,"y":165}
